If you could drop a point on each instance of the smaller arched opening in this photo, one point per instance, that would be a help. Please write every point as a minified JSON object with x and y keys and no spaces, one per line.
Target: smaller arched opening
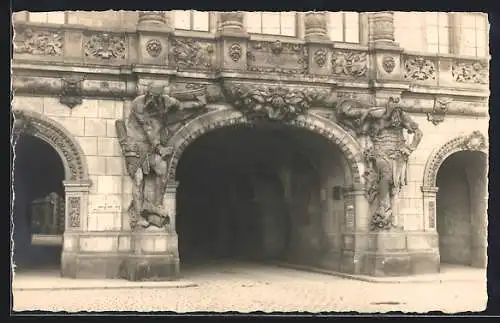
{"x":461,"y":208}
{"x":38,"y":210}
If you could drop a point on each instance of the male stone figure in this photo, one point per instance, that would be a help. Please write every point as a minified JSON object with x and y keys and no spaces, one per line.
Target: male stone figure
{"x":387,"y":158}
{"x":153,"y":118}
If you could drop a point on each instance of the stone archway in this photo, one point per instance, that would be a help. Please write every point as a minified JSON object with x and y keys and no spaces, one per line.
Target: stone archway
{"x":468,"y":221}
{"x":348,"y":147}
{"x":76,"y":183}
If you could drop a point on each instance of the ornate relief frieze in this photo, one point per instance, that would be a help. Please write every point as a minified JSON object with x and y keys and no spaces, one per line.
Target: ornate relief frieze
{"x":441,"y":106}
{"x":190,"y":53}
{"x":274,"y":102}
{"x":106,"y":47}
{"x":470,"y":72}
{"x":474,"y":142}
{"x":37,"y":42}
{"x":28,"y":122}
{"x":290,"y":58}
{"x":350,"y":64}
{"x":419,"y":69}
{"x":71,"y":91}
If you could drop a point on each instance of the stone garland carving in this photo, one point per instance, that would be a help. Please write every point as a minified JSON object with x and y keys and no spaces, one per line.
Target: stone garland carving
{"x":351,"y":64}
{"x":39,"y":42}
{"x":475,"y":141}
{"x":74,"y":211}
{"x":320,"y":57}
{"x":189,"y":53}
{"x":441,"y":106}
{"x":235,"y":52}
{"x":473,"y":72}
{"x":388,"y":64}
{"x":419,"y":69}
{"x":274,"y":102}
{"x":277,"y":57}
{"x":105,"y":46}
{"x":154,"y":47}
{"x":143,"y":136}
{"x":386,"y":154}
{"x":71,"y":91}
{"x":26,"y":122}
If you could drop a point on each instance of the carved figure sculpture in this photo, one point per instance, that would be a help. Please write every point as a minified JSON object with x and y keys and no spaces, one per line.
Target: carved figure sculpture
{"x":154,"y":117}
{"x":387,"y":157}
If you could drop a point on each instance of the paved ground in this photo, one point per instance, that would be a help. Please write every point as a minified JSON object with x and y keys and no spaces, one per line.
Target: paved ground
{"x":247,"y":288}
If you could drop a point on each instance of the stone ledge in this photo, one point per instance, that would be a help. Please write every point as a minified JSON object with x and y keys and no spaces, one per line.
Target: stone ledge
{"x":469,"y":275}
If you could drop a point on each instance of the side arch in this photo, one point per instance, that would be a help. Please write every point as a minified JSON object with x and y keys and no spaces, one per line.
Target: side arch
{"x":474,"y":141}
{"x":72,"y":155}
{"x":350,"y":147}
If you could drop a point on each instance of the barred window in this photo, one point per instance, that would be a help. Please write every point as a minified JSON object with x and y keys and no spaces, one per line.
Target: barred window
{"x":272,"y":23}
{"x":343,"y":26}
{"x":474,"y":33}
{"x":437,"y":32}
{"x":54,"y":17}
{"x":192,"y":20}
{"x":408,"y":30}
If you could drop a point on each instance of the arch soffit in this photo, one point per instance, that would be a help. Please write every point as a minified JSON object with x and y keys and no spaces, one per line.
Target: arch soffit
{"x":59,"y":138}
{"x":474,"y":141}
{"x":207,"y":122}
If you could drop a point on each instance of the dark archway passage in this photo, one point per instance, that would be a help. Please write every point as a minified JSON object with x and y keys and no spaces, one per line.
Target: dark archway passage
{"x":462,"y":208}
{"x":38,"y":174}
{"x":259,"y":193}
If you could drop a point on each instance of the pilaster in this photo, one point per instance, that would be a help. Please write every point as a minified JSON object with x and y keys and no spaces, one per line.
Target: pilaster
{"x":232,"y":41}
{"x":318,"y":43}
{"x":153,"y":31}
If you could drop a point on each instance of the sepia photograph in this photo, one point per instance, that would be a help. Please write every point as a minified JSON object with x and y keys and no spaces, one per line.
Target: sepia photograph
{"x":190,"y":161}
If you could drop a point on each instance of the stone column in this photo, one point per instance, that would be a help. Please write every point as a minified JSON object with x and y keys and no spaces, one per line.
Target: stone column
{"x":382,"y":27}
{"x":455,"y":33}
{"x":153,"y":29}
{"x":429,"y":215}
{"x":232,"y":41}
{"x":318,"y":42}
{"x":76,"y":216}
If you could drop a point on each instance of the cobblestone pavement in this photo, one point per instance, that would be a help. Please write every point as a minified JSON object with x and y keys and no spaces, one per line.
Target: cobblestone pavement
{"x":248,"y":287}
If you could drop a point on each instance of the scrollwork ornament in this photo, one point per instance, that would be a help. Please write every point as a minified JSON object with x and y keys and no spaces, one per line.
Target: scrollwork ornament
{"x":475,"y":141}
{"x":154,"y":47}
{"x":352,"y":64}
{"x":419,"y":69}
{"x":105,"y":46}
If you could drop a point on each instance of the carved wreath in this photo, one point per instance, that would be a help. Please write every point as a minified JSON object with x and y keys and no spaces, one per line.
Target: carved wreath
{"x":349,"y":64}
{"x":40,"y":43}
{"x":419,"y":69}
{"x":105,"y":46}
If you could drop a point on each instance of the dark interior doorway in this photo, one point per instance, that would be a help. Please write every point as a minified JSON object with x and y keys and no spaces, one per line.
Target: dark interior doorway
{"x":38,"y":176}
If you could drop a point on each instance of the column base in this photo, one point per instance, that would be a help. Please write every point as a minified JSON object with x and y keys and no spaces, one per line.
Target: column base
{"x":94,"y":265}
{"x":150,"y":268}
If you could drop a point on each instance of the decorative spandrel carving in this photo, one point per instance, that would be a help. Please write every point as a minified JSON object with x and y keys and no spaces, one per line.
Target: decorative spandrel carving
{"x":277,"y":56}
{"x":71,"y":91}
{"x":350,"y":64}
{"x":419,"y":69}
{"x":441,"y":106}
{"x":154,"y":118}
{"x":386,"y":152}
{"x":274,"y":102}
{"x":37,"y":42}
{"x":190,"y":53}
{"x":472,"y":72}
{"x":474,"y":142}
{"x":105,"y":46}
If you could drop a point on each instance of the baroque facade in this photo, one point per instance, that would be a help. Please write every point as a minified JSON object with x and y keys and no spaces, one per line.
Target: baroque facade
{"x":125,"y":103}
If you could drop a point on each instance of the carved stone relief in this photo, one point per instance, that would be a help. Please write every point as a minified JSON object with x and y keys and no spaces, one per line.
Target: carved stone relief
{"x":154,"y":47}
{"x":351,"y":64}
{"x":386,"y":152}
{"x":190,"y":53}
{"x":388,"y":64}
{"x":419,"y":69}
{"x":105,"y":46}
{"x":37,"y":42}
{"x":320,"y":57}
{"x":472,"y":72}
{"x":474,"y":142}
{"x":273,"y":102}
{"x":235,"y":52}
{"x":74,"y":211}
{"x":154,"y":117}
{"x":71,"y":91}
{"x":277,"y":56}
{"x":47,"y":130}
{"x":441,"y":106}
